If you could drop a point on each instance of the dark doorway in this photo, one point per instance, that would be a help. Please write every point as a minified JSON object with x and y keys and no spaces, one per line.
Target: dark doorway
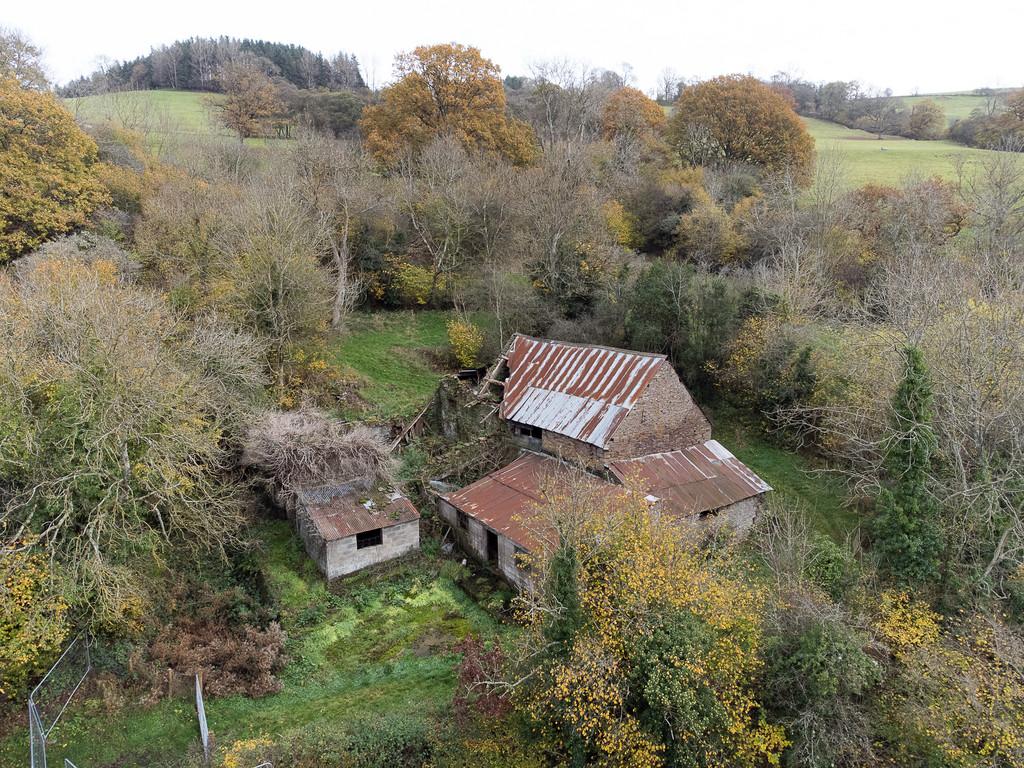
{"x":492,"y":547}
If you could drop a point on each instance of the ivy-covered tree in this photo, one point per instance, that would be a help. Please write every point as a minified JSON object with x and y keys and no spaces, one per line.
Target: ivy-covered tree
{"x":688,"y":315}
{"x":906,"y":532}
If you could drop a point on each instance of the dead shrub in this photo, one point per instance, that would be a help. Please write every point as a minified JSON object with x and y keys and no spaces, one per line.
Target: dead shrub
{"x":306,"y":447}
{"x":242,"y":660}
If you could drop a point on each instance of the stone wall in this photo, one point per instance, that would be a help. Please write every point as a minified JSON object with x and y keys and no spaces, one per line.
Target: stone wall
{"x":664,"y":418}
{"x":577,"y":451}
{"x":740,"y":516}
{"x":341,"y":556}
{"x":473,"y":541}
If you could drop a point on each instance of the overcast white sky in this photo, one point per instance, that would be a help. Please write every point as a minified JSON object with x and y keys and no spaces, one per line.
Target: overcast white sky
{"x":908,"y":45}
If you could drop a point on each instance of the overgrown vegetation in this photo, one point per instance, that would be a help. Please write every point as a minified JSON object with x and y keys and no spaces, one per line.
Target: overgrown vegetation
{"x":225,"y":304}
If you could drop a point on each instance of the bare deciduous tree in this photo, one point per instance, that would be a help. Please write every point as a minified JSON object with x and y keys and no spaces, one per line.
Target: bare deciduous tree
{"x":340,"y":184}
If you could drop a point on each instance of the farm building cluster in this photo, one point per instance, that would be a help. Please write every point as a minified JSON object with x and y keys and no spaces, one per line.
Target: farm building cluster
{"x":616,"y":416}
{"x":609,"y":417}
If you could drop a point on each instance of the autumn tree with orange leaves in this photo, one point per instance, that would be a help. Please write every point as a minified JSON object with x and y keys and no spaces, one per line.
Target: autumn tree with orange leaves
{"x":740,"y":119}
{"x":441,"y":90}
{"x":628,"y":113}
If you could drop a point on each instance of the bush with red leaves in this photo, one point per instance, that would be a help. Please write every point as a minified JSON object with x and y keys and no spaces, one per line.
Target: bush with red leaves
{"x":476,"y":692}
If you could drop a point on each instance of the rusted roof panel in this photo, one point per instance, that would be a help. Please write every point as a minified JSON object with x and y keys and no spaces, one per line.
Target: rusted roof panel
{"x":507,"y":500}
{"x":338,"y":511}
{"x":576,"y":390}
{"x":697,"y":479}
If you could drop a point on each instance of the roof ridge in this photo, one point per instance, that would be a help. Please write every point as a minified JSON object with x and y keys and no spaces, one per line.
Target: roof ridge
{"x":586,"y":345}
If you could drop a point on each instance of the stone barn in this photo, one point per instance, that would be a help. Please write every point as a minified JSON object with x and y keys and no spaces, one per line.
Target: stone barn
{"x":495,"y":520}
{"x":592,"y":404}
{"x":345,"y":529}
{"x":619,"y":417}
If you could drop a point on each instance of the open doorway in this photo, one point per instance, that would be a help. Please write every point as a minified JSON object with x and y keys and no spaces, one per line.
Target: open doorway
{"x":492,"y":547}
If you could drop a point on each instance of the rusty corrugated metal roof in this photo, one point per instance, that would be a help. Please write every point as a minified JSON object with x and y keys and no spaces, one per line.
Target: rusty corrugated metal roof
{"x":338,"y":511}
{"x":577,"y":390}
{"x":697,"y":479}
{"x":508,"y":499}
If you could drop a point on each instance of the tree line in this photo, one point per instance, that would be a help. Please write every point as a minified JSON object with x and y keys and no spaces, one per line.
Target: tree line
{"x":997,"y":124}
{"x":194,"y":65}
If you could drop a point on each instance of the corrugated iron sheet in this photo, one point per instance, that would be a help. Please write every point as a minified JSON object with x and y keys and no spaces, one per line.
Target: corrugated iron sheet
{"x":697,"y":479}
{"x":339,"y":512}
{"x":507,"y":500}
{"x":576,"y":390}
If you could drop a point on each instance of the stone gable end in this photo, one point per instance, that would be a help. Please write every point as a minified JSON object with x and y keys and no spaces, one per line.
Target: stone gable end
{"x":664,"y":418}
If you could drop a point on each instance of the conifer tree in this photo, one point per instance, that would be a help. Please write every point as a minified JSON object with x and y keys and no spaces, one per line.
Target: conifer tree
{"x":907,"y":536}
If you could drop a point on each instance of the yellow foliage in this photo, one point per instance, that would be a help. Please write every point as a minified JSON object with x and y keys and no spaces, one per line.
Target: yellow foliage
{"x":709,"y":234}
{"x":621,"y":224}
{"x":124,"y":185}
{"x":246,"y":753}
{"x":33,"y":615}
{"x":47,"y":170}
{"x":417,"y":284}
{"x":634,"y":567}
{"x":467,"y":340}
{"x":906,"y":623}
{"x":961,"y":693}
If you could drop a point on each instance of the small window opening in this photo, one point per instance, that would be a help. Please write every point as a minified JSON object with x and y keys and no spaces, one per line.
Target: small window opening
{"x":372,"y":538}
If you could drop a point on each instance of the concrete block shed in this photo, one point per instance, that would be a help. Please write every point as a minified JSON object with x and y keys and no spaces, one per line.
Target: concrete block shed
{"x":346,"y":529}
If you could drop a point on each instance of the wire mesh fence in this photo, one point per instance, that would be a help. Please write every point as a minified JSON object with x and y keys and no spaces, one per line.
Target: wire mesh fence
{"x":54,"y":692}
{"x":50,"y":698}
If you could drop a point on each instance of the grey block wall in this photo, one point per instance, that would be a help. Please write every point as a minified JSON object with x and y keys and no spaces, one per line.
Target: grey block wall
{"x":341,"y":556}
{"x":473,"y":541}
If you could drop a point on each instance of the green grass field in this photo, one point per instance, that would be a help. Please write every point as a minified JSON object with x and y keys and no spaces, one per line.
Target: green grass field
{"x":163,"y":112}
{"x":822,"y":497}
{"x":866,"y":159}
{"x":181,"y":115}
{"x":956,"y":105}
{"x":388,"y":353}
{"x":380,"y":644}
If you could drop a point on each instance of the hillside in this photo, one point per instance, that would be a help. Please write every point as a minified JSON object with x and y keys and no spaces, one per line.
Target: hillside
{"x":867,"y":160}
{"x":158,"y":112}
{"x":870,"y":160}
{"x":957,"y":105}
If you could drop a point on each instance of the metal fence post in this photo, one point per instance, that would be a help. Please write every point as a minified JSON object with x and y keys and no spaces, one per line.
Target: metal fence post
{"x":204,"y":731}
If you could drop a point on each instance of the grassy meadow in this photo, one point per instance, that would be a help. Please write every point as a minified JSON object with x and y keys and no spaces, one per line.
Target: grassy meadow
{"x":163,"y":112}
{"x":184,"y":115}
{"x":866,"y":159}
{"x":956,"y":105}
